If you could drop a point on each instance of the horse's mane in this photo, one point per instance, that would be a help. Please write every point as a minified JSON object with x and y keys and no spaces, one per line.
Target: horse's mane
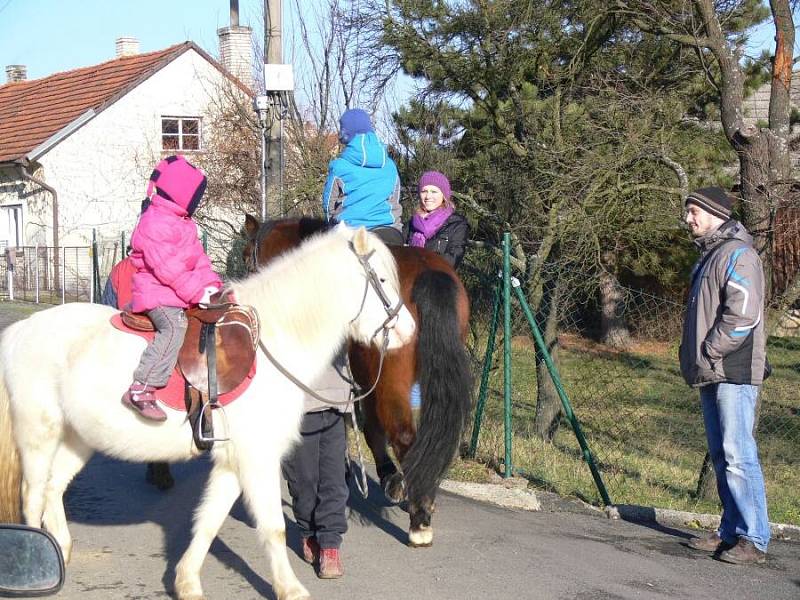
{"x":290,"y":292}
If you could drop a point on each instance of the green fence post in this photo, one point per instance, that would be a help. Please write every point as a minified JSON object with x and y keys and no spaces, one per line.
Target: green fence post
{"x":487,"y":361}
{"x":573,"y":420}
{"x":205,"y":241}
{"x":509,"y":467}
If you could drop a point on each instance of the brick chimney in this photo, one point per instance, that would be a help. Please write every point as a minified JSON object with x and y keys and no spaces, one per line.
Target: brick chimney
{"x":127,"y":46}
{"x":16,"y":73}
{"x":236,"y":52}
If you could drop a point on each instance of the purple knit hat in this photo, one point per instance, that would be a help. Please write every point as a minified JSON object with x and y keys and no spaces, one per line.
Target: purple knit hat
{"x":438,"y":179}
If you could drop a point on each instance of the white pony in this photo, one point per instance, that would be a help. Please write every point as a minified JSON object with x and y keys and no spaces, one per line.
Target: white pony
{"x":64,"y":370}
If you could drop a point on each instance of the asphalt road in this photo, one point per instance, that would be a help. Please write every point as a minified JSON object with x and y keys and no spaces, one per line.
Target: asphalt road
{"x":129,"y":537}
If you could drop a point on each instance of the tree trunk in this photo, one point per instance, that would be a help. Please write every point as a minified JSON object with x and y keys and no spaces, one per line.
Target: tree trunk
{"x":755,"y":189}
{"x":548,"y":404}
{"x":613,"y":329}
{"x":707,"y":481}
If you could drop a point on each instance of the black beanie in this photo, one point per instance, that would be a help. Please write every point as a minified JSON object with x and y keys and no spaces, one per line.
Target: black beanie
{"x":713,"y":200}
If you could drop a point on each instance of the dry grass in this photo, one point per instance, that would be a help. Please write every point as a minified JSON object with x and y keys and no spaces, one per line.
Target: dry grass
{"x":643,"y":425}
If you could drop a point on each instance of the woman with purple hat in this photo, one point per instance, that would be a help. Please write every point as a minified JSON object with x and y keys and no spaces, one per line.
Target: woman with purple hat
{"x":438,"y":227}
{"x":435,"y":224}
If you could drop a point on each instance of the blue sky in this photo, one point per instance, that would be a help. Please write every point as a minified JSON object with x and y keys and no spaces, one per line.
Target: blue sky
{"x":57,"y":35}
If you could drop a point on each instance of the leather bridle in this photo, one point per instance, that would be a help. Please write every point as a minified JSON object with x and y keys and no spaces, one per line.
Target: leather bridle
{"x":392,"y":312}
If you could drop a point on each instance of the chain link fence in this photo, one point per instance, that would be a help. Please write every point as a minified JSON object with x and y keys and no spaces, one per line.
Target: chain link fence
{"x":616,"y":350}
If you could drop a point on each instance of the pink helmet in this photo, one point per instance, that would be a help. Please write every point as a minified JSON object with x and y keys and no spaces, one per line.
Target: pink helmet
{"x":176,"y":179}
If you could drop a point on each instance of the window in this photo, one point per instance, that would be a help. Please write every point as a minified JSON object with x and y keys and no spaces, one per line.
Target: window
{"x":11,"y":225}
{"x":180,"y":133}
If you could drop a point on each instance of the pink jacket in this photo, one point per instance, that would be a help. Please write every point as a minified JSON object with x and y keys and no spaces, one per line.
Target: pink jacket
{"x":172,"y":269}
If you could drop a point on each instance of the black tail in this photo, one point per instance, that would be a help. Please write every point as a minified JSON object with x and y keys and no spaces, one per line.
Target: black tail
{"x":446,"y":383}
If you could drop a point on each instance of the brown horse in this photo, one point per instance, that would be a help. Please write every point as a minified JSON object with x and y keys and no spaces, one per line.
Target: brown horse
{"x":436,"y":358}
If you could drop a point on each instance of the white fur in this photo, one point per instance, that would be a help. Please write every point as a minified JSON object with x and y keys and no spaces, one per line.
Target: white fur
{"x":65,"y":370}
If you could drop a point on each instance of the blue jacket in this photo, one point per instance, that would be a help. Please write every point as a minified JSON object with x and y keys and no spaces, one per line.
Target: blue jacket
{"x":363,"y":187}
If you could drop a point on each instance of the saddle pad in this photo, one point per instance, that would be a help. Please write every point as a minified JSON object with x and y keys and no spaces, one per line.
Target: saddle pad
{"x":173,"y":394}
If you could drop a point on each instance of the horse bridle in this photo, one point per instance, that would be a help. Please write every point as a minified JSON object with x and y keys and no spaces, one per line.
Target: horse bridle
{"x":392,"y":312}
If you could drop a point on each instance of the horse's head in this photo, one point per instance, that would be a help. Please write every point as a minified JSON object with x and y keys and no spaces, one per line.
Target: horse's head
{"x":381,"y":303}
{"x":265,"y":241}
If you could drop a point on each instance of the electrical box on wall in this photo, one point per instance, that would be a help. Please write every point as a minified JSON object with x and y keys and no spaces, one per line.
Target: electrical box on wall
{"x":278,"y":78}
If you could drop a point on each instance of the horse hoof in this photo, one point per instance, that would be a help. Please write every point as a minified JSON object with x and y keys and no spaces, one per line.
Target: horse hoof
{"x":395,"y":488}
{"x":297,"y":594}
{"x":188,"y":589}
{"x":420,"y":538}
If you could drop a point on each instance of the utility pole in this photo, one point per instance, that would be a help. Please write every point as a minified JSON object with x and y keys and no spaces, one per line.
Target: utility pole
{"x":273,"y":55}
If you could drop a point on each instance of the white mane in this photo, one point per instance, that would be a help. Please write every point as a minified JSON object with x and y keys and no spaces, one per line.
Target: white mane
{"x":289,"y":292}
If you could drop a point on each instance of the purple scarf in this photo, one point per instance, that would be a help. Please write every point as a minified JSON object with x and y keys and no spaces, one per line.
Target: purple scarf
{"x":424,"y":228}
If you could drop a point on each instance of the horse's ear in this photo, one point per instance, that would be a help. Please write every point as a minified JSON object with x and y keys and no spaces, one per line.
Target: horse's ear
{"x":361,"y":241}
{"x":251,"y":226}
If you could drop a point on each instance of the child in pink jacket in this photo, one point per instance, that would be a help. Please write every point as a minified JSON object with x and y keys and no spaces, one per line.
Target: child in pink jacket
{"x":173,"y":273}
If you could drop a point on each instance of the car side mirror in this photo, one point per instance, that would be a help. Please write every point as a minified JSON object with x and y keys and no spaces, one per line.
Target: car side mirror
{"x":31,"y":563}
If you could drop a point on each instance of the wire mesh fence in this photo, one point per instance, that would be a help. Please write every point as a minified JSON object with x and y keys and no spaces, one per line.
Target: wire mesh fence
{"x":50,"y":275}
{"x":616,"y":350}
{"x":46,"y":274}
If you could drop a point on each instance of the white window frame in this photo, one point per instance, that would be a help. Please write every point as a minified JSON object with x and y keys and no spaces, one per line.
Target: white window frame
{"x":181,"y":135}
{"x":12,"y":226}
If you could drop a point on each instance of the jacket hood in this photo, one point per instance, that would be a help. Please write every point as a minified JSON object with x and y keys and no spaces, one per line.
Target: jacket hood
{"x":176,"y":179}
{"x":366,"y":150}
{"x":729,"y":230}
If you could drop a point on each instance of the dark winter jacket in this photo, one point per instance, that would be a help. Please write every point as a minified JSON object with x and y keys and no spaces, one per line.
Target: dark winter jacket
{"x":723,"y":332}
{"x":450,"y":241}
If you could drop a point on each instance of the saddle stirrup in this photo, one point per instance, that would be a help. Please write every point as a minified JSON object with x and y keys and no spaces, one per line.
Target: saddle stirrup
{"x":208,"y":406}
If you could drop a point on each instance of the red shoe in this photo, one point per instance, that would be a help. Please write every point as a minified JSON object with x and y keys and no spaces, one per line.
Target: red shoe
{"x":330,"y":564}
{"x":141,"y":398}
{"x":310,"y":550}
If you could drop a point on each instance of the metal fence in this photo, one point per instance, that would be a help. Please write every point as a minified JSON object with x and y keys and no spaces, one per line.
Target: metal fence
{"x":46,"y":274}
{"x":49,"y":275}
{"x":643,"y":425}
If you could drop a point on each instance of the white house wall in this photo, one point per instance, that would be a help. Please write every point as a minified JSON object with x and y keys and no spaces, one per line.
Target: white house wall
{"x":101,"y":170}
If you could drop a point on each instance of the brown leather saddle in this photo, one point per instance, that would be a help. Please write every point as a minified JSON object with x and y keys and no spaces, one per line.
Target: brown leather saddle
{"x":217,"y":354}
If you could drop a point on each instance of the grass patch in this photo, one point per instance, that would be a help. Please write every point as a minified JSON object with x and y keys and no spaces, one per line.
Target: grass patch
{"x":14,"y":311}
{"x":643,"y":425}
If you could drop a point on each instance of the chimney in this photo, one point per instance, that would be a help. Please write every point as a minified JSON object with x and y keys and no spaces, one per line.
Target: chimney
{"x":127,"y":46}
{"x":236,"y":54}
{"x":16,"y":73}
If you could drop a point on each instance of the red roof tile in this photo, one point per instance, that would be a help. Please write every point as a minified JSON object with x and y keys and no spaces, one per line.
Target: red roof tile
{"x":33,"y":111}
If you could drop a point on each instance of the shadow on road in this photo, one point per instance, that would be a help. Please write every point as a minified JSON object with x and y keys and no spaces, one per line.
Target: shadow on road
{"x":101,"y":490}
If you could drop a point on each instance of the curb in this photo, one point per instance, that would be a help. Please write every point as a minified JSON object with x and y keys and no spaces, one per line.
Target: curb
{"x":507,"y":496}
{"x":679,"y":518}
{"x":514,"y":494}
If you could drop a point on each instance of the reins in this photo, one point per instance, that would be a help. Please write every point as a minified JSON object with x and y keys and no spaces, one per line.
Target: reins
{"x":391,"y":311}
{"x":286,"y":373}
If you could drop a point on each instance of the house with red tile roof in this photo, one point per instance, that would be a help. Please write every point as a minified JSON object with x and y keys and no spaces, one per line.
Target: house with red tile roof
{"x":76,"y":148}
